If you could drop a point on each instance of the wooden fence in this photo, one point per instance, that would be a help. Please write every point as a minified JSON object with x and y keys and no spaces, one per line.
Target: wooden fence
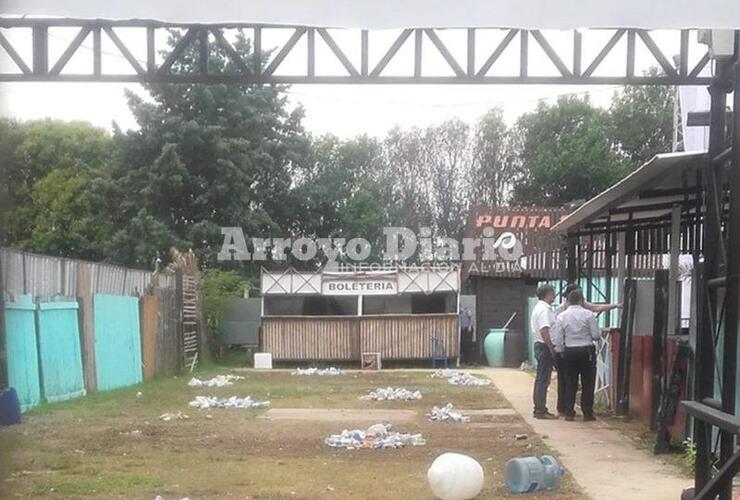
{"x":344,"y":338}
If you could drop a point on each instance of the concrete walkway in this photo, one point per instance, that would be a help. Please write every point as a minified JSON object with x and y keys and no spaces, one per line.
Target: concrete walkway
{"x":603,"y":462}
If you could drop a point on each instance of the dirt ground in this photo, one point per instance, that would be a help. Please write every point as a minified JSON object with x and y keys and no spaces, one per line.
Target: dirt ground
{"x":113,"y":445}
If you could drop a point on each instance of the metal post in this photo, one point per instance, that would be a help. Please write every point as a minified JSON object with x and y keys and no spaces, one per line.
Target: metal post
{"x":571,"y":271}
{"x":608,"y":256}
{"x":704,"y":385}
{"x":675,"y":250}
{"x":732,"y":292}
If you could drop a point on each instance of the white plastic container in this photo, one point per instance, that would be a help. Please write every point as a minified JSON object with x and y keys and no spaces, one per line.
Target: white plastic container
{"x":453,"y":476}
{"x":524,"y":475}
{"x":263,"y":360}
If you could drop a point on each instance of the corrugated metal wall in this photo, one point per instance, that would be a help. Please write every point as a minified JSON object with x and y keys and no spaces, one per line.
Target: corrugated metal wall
{"x":46,"y":276}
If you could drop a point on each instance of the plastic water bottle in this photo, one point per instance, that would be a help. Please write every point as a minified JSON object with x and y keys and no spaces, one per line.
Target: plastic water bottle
{"x":453,"y":476}
{"x":524,"y":475}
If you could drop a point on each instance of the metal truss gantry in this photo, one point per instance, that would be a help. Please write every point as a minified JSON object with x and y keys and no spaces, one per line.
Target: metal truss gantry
{"x":473,"y":65}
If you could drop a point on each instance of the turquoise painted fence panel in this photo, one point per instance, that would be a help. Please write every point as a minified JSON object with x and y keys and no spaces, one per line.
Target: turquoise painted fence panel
{"x":59,"y":351}
{"x":23,"y":361}
{"x":117,"y":341}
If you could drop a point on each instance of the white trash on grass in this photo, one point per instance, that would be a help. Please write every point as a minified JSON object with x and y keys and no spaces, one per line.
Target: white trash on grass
{"x":447,"y":413}
{"x":460,"y":378}
{"x":203,"y":402}
{"x":321,"y":372}
{"x":377,"y":436}
{"x":391,"y":394}
{"x":217,"y":381}
{"x":167,"y":417}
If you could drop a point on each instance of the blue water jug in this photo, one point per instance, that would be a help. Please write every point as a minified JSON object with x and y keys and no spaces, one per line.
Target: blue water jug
{"x":10,"y":408}
{"x":524,"y":475}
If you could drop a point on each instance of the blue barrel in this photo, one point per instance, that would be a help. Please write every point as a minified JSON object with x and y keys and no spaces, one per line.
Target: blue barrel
{"x":493,"y":346}
{"x":528,"y":474}
{"x":10,"y":408}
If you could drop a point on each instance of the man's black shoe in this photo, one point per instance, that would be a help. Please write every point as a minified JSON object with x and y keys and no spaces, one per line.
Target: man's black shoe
{"x":545,"y":416}
{"x":569,"y":418}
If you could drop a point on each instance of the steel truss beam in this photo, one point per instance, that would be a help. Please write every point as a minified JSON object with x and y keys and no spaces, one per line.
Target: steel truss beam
{"x":570,"y":66}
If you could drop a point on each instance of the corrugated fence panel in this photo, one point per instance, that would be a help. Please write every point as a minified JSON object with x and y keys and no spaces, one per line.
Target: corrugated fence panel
{"x":409,"y":336}
{"x":43,"y":275}
{"x":47,"y":276}
{"x":168,"y":331}
{"x":149,"y":308}
{"x":59,"y":351}
{"x":12,"y":263}
{"x":23,"y":363}
{"x":311,"y":338}
{"x":117,"y":341}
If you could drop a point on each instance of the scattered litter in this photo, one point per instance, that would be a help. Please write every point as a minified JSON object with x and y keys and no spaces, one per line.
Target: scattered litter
{"x":459,"y":378}
{"x":525,"y":366}
{"x":173,"y":416}
{"x":203,"y":402}
{"x":377,"y":436}
{"x":133,"y":433}
{"x":521,"y":437}
{"x":391,"y":394}
{"x":321,"y":372}
{"x":217,"y":381}
{"x":139,"y":394}
{"x":446,"y":413}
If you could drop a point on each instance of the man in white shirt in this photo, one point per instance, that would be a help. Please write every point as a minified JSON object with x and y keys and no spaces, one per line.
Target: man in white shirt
{"x":574,"y":334}
{"x":559,"y":362}
{"x":541,"y":321}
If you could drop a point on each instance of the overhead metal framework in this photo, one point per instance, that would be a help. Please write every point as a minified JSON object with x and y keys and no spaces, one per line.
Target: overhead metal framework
{"x":580,"y":60}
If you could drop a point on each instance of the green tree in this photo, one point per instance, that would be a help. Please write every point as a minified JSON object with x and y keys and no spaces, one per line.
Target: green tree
{"x":564,"y":153}
{"x":494,"y":164}
{"x":219,"y":288}
{"x":343,"y":193}
{"x":48,"y":203}
{"x":204,"y":156}
{"x":641,"y":121}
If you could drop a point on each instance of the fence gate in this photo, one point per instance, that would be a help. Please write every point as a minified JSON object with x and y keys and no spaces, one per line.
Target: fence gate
{"x":23,"y":363}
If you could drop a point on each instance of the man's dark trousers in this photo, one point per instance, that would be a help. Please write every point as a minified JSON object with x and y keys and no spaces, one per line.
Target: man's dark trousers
{"x":562,"y":381}
{"x":545,"y":363}
{"x":580,"y":363}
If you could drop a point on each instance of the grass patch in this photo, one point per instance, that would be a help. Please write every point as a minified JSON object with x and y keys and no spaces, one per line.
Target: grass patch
{"x":113,"y":445}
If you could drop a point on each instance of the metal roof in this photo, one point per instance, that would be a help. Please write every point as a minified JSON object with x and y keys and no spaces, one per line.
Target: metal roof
{"x":647,"y":193}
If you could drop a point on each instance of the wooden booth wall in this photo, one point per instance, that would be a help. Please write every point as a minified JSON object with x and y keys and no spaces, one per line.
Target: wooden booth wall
{"x":344,"y":338}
